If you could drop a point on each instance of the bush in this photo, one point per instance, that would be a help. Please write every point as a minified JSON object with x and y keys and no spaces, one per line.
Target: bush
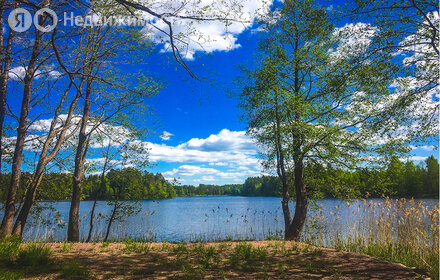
{"x":136,"y":247}
{"x":248,"y":256}
{"x":9,"y":275}
{"x":35,"y":255}
{"x":74,"y":270}
{"x":9,"y":250}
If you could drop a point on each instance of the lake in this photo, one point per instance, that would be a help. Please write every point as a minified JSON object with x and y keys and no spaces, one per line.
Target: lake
{"x":201,"y":218}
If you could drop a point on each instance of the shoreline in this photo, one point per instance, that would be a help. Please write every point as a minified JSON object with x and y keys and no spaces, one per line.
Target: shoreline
{"x":216,"y":260}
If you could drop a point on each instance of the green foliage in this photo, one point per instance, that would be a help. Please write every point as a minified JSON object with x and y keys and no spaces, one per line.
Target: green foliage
{"x":29,"y":258}
{"x":136,"y":247}
{"x":129,"y":183}
{"x":36,"y":255}
{"x":10,"y":275}
{"x":75,"y":271}
{"x":9,"y":249}
{"x":246,"y":256}
{"x":206,"y":255}
{"x":66,"y":247}
{"x":395,"y":178}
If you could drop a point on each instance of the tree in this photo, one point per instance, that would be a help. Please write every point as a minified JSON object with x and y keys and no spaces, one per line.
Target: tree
{"x":303,"y":100}
{"x":30,"y":72}
{"x":409,"y":33}
{"x":395,"y":175}
{"x":432,"y":182}
{"x":5,"y":66}
{"x":104,"y":48}
{"x":122,"y":149}
{"x":125,"y":189}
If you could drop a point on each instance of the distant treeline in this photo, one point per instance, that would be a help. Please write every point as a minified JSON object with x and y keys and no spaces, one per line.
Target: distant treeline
{"x":398,"y":179}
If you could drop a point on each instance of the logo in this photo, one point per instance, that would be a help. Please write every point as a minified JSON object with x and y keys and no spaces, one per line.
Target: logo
{"x":20,"y":20}
{"x":45,"y":20}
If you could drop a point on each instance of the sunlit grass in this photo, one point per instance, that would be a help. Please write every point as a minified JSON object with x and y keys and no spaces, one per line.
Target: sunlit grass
{"x":400,"y":230}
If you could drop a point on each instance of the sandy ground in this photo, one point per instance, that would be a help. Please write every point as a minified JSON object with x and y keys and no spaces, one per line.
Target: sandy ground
{"x":285,"y":260}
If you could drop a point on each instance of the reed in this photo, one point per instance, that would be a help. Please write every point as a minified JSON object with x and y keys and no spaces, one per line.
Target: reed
{"x":398,"y":230}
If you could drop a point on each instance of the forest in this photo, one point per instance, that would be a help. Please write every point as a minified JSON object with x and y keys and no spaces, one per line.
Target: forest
{"x":397,"y":179}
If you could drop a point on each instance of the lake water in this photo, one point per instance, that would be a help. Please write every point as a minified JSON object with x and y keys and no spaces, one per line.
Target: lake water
{"x":196,"y":218}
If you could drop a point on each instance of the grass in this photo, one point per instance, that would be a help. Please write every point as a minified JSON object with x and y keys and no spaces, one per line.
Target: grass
{"x":9,"y":249}
{"x":10,"y":275}
{"x":17,"y":260}
{"x":247,"y":256}
{"x":401,"y":231}
{"x":65,"y":247}
{"x":75,"y":270}
{"x":225,"y":260}
{"x":35,"y":257}
{"x":136,"y":247}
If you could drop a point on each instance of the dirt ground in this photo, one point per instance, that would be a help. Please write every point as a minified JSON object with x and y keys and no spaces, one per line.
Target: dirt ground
{"x":226,"y":260}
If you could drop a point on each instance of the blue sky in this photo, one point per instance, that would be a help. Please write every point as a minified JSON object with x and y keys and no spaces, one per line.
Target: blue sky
{"x":190,"y":110}
{"x":203,"y":139}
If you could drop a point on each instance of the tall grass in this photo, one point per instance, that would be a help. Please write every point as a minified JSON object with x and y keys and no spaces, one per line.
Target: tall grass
{"x":17,"y":259}
{"x":400,"y":230}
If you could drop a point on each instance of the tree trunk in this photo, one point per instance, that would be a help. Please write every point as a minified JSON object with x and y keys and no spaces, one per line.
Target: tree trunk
{"x":285,"y":205}
{"x":101,"y":190}
{"x":8,"y":218}
{"x":81,"y":151}
{"x":112,"y":217}
{"x":27,"y":205}
{"x":44,"y":159}
{"x":92,"y":215}
{"x":299,"y":218}
{"x":6,"y":64}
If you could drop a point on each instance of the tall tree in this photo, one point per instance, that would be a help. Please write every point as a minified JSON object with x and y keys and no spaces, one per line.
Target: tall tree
{"x":108,"y":96}
{"x":409,"y":32}
{"x":5,"y":65}
{"x":303,"y":98}
{"x":30,"y":71}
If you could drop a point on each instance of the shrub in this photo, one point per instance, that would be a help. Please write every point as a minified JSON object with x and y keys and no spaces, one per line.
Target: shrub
{"x":74,"y":270}
{"x":9,"y":249}
{"x":35,"y":255}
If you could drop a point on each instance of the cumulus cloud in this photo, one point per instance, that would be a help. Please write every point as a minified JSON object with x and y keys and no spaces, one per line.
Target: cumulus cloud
{"x":413,"y":158}
{"x":233,"y":148}
{"x":352,"y":39}
{"x":225,"y":140}
{"x":207,"y":36}
{"x":166,"y":135}
{"x":227,"y":149}
{"x":205,"y":175}
{"x":189,"y":170}
{"x":17,"y":73}
{"x":428,"y":148}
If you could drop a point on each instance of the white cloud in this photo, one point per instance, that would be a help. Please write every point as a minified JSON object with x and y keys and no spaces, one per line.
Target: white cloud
{"x":413,"y":158}
{"x":197,"y":174}
{"x":232,"y":148}
{"x":166,"y":135}
{"x":189,"y":170}
{"x":205,"y":179}
{"x":18,"y":73}
{"x":208,"y":36}
{"x":352,"y":39}
{"x":225,"y":140}
{"x":428,"y":148}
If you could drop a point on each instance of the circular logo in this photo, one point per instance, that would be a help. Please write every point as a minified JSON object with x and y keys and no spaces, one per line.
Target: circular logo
{"x":20,"y":20}
{"x":50,"y":14}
